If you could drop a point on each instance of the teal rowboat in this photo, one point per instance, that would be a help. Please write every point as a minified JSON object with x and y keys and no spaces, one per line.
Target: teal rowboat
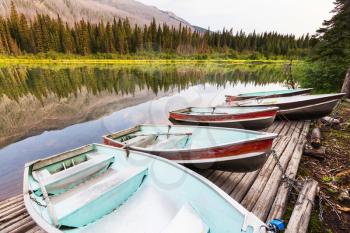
{"x":99,"y":188}
{"x":268,"y":94}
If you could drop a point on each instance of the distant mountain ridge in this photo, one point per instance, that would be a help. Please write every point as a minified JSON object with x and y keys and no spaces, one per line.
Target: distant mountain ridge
{"x":94,"y":10}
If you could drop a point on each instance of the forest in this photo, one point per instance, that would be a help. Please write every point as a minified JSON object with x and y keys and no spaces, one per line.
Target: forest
{"x":19,"y":35}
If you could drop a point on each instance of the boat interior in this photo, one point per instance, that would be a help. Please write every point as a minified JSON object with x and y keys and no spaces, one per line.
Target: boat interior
{"x":102,"y":189}
{"x":267,"y":93}
{"x":222,"y":110}
{"x":284,"y":100}
{"x":182,"y":137}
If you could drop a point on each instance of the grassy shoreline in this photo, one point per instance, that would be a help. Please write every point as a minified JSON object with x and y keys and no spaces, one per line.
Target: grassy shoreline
{"x":113,"y":61}
{"x":9,"y":61}
{"x":142,"y":58}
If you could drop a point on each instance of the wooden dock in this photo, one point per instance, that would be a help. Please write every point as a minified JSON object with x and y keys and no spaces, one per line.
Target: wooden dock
{"x":262,"y":192}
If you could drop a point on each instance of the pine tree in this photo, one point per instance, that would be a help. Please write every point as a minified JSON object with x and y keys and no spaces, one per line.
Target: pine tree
{"x":13,"y":21}
{"x":121,"y":40}
{"x":159,"y":39}
{"x":109,"y":39}
{"x":3,"y":37}
{"x":334,"y":36}
{"x":24,"y":34}
{"x":2,"y":47}
{"x":12,"y":45}
{"x":83,"y":38}
{"x":332,"y":52}
{"x":138,"y":39}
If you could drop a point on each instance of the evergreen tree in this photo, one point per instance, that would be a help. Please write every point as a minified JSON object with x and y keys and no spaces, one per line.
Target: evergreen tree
{"x":120,"y":39}
{"x":334,"y":36}
{"x":24,"y":34}
{"x":331,"y":55}
{"x":14,"y":22}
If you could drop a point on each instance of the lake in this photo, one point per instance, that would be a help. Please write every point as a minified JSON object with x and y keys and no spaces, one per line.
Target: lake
{"x":50,"y":109}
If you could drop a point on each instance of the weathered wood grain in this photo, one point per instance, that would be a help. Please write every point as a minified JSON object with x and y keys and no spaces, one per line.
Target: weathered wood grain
{"x":231,"y":182}
{"x":299,"y":221}
{"x":279,"y":205}
{"x":10,"y":202}
{"x":316,"y":138}
{"x":267,"y":195}
{"x":265,"y":173}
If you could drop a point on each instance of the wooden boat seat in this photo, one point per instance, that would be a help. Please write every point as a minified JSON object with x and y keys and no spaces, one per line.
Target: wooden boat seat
{"x":186,"y":221}
{"x":67,"y":178}
{"x":173,"y":142}
{"x":83,"y":206}
{"x":141,"y":141}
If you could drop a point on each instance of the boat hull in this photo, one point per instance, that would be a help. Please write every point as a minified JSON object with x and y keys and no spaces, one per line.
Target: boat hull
{"x":244,"y":163}
{"x":260,"y":119}
{"x":305,"y":109}
{"x":235,"y":157}
{"x":253,"y":124}
{"x":308,"y":112}
{"x":230,"y":98}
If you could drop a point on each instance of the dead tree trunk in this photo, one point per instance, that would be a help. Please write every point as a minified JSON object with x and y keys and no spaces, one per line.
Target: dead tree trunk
{"x":346,"y":85}
{"x":300,"y":218}
{"x":316,"y":138}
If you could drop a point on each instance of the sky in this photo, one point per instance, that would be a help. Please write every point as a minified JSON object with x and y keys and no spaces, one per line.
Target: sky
{"x":285,"y":16}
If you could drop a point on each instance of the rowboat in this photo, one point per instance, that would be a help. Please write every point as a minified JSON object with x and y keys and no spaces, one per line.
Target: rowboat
{"x":268,"y":94}
{"x":98,"y":188}
{"x":234,"y":117}
{"x":298,"y":107}
{"x":197,"y":146}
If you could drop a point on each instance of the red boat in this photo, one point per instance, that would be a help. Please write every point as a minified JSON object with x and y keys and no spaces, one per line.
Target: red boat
{"x":200,"y":147}
{"x":233,"y":117}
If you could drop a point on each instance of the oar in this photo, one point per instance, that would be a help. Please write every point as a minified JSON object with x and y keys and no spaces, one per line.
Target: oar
{"x":219,"y":113}
{"x":161,"y":134}
{"x":126,"y":145}
{"x":169,"y":127}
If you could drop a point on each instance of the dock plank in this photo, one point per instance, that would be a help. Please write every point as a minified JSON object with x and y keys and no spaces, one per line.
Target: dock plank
{"x":266,"y":172}
{"x":269,"y":192}
{"x":278,"y":207}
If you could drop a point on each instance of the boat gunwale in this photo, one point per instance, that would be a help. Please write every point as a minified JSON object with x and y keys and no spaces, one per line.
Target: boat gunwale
{"x":228,"y":121}
{"x":315,"y":97}
{"x":61,"y":154}
{"x":263,"y":137}
{"x":246,"y":214}
{"x":293,"y":92}
{"x":264,"y":109}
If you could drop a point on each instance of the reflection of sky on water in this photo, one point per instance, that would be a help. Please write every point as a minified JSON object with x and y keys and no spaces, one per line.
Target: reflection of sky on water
{"x":14,"y":156}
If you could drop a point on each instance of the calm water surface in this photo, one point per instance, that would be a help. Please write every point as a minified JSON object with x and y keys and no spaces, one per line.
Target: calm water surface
{"x":48,"y":110}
